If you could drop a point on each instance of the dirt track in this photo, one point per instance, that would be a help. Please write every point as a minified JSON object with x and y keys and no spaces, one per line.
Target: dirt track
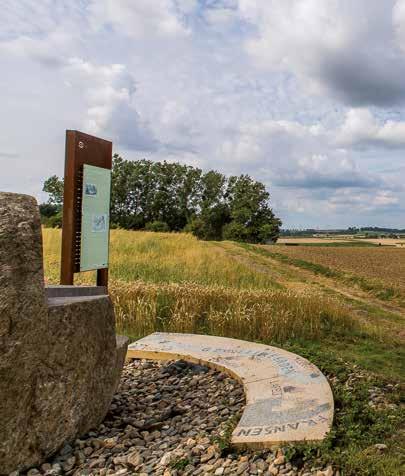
{"x":368,"y":308}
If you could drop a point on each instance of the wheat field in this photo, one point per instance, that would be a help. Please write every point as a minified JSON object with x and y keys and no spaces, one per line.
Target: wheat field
{"x":173,"y":282}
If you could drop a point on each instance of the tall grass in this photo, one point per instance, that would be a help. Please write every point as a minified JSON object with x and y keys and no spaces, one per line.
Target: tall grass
{"x":172,"y":282}
{"x":248,"y":314}
{"x":162,"y":258}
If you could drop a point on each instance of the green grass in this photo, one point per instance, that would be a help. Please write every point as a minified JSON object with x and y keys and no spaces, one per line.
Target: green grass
{"x":223,"y":441}
{"x":180,"y":464}
{"x":384,"y":359}
{"x":357,"y":427}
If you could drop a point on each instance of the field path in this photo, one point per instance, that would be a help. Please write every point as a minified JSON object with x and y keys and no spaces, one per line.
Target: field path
{"x":367,"y":308}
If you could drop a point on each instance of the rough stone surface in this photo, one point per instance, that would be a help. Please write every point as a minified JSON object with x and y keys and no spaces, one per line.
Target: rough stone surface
{"x":22,"y":302}
{"x":60,"y":360}
{"x":288,"y":398}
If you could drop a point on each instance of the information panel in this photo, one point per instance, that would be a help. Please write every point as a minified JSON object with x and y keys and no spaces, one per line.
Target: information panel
{"x":95,"y":226}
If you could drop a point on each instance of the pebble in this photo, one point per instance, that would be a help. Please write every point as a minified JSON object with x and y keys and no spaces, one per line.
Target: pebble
{"x":167,"y":458}
{"x":279,"y":460}
{"x":273,"y":470}
{"x":242,"y":467}
{"x":135,"y":459}
{"x":380,"y":446}
{"x":327,"y":472}
{"x":166,"y":420}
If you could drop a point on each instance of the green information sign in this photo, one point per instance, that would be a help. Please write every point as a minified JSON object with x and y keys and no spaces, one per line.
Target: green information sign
{"x":95,"y":231}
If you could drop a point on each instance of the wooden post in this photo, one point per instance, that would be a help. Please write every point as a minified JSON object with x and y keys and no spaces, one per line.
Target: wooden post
{"x":80,"y":149}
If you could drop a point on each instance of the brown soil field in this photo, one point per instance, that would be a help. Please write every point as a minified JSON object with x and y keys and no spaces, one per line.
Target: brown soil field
{"x":342,"y":239}
{"x":386,"y":241}
{"x":311,"y":240}
{"x":387,"y":265}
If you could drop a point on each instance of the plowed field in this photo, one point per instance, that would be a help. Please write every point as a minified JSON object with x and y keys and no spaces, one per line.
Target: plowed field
{"x":386,"y":265}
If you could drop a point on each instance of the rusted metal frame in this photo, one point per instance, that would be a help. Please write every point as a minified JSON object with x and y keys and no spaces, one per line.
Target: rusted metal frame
{"x":80,"y":149}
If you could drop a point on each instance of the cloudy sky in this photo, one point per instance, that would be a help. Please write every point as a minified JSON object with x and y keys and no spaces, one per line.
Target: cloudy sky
{"x":307,"y":96}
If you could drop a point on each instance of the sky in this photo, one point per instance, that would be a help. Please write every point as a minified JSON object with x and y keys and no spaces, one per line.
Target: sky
{"x":307,"y":96}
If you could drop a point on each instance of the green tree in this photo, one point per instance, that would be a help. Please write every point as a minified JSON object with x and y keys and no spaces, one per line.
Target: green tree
{"x":209,"y":224}
{"x":213,"y":212}
{"x":132,"y":190}
{"x":144,"y":191}
{"x":171,"y":196}
{"x":54,"y":187}
{"x":213,"y":186}
{"x":252,"y":219}
{"x":51,"y":212}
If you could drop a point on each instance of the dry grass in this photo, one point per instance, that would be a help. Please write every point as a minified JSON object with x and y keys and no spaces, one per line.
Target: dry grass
{"x":172,"y":282}
{"x":162,"y":258}
{"x":253,"y":315}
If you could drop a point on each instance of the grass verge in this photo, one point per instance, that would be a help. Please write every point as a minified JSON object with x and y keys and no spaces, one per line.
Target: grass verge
{"x":360,"y":422}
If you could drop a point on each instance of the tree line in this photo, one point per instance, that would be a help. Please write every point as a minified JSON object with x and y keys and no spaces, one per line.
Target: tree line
{"x":163,"y":196}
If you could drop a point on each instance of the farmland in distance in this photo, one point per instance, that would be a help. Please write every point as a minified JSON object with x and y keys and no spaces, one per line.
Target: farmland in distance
{"x":381,"y":267}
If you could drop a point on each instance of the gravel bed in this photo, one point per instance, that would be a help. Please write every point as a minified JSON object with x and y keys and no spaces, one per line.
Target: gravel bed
{"x":169,"y":419}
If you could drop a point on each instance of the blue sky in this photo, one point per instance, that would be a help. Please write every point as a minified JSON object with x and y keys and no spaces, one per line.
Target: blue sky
{"x":307,"y":96}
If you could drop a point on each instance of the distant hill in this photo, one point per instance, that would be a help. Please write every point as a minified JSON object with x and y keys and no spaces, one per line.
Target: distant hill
{"x":370,"y":230}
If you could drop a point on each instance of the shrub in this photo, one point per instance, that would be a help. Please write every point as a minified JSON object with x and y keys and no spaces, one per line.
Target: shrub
{"x":54,"y":221}
{"x":235,"y":232}
{"x":157,"y":226}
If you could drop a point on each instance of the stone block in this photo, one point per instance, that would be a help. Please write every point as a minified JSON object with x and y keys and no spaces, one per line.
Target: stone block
{"x":60,"y":360}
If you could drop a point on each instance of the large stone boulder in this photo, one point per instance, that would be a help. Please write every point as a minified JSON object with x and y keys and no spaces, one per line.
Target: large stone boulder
{"x":60,"y":360}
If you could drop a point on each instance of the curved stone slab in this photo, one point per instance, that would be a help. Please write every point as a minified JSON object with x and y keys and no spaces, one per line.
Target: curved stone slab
{"x":287,"y":398}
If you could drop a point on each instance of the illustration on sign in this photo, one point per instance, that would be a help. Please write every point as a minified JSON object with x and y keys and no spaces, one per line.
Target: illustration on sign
{"x":99,"y":223}
{"x":95,"y":218}
{"x":90,"y":189}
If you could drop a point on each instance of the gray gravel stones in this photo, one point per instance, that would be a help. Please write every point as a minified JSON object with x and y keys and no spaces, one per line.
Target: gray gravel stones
{"x":168,"y":419}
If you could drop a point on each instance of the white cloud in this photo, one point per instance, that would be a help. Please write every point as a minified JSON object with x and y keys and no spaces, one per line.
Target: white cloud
{"x":174,"y":79}
{"x":336,"y":171}
{"x":107,"y":91}
{"x":29,"y":18}
{"x":362,"y":128}
{"x":186,"y":7}
{"x":341,"y":47}
{"x":398,"y":19}
{"x":38,"y":50}
{"x":363,"y":201}
{"x":109,"y":94}
{"x":141,"y":17}
{"x":221,"y":14}
{"x":292,"y":155}
{"x":45,"y":31}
